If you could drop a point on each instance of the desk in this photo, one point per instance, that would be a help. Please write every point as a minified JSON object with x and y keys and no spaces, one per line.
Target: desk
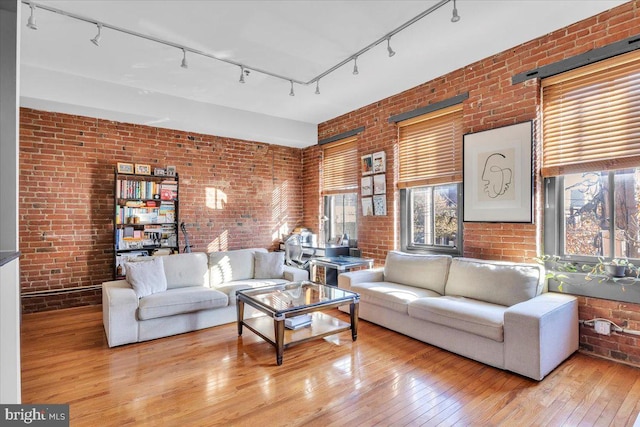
{"x":338,"y":263}
{"x":324,"y":250}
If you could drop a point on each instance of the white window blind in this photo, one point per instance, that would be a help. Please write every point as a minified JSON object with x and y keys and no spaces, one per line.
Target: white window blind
{"x":340,"y":167}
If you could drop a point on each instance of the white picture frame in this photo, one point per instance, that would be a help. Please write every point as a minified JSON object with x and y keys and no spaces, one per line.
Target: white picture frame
{"x":379,"y":162}
{"x":367,"y":206}
{"x":366,"y":162}
{"x":380,"y":205}
{"x":366,"y":186}
{"x":379,"y":184}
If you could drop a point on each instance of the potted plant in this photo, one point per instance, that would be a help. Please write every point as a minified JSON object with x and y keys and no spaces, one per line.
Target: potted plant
{"x":616,"y":267}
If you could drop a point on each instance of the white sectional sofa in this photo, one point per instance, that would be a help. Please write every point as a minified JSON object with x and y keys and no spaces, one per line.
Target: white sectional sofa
{"x":169,"y":295}
{"x":497,"y":313}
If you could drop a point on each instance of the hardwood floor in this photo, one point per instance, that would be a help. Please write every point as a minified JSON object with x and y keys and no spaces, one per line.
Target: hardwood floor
{"x":213,"y":377}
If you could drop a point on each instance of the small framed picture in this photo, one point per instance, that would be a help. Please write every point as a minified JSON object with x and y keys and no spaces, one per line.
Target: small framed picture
{"x":367,"y":164}
{"x":143,"y":169}
{"x":125,"y":167}
{"x":171,"y":170}
{"x":379,"y":184}
{"x":379,"y":162}
{"x":365,"y":186}
{"x":159,"y":171}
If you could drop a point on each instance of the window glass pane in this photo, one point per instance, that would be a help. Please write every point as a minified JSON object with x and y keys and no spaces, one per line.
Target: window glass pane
{"x":421,"y":208}
{"x":627,"y":197}
{"x":343,"y":215}
{"x":446,"y":214}
{"x":434,"y":215}
{"x":586,"y":214}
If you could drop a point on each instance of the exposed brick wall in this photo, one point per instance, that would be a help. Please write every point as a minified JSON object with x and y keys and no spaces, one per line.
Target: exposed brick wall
{"x":493,"y":102}
{"x":233,"y":194}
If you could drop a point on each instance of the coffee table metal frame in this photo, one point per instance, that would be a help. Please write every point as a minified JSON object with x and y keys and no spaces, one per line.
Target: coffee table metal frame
{"x":271,"y":327}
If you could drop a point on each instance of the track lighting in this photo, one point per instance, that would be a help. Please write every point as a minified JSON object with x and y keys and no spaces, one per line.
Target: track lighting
{"x":31,"y":23}
{"x":455,"y":17}
{"x":96,"y":39}
{"x":355,"y":66}
{"x":241,"y":74}
{"x":184,"y":59}
{"x":317,"y":87}
{"x":391,"y":51}
{"x":292,"y":93}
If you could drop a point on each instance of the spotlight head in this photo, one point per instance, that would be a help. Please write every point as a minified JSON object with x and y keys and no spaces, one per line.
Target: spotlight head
{"x":184,"y":59}
{"x":455,"y":17}
{"x":391,"y":51}
{"x":96,"y":39}
{"x":292,"y":93}
{"x":317,"y":87}
{"x":355,"y":67}
{"x":31,"y":23}
{"x":241,"y":74}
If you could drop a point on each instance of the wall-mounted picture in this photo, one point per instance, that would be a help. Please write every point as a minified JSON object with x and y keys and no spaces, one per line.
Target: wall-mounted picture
{"x":380,"y":205}
{"x":497,"y":174}
{"x":366,"y":187}
{"x":367,"y":206}
{"x":143,"y":169}
{"x":367,"y":164}
{"x":171,"y":170}
{"x":379,"y":162}
{"x":159,"y":171}
{"x":125,"y":167}
{"x":379,"y":184}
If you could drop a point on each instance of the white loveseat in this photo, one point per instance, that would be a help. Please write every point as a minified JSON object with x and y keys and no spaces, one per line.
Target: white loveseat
{"x":199,"y":292}
{"x":497,"y":313}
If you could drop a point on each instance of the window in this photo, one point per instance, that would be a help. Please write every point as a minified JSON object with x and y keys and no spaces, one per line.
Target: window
{"x":591,"y":160}
{"x":430,"y":172}
{"x":339,"y":188}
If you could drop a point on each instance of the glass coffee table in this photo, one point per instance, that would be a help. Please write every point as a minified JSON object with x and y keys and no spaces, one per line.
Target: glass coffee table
{"x":289,"y":301}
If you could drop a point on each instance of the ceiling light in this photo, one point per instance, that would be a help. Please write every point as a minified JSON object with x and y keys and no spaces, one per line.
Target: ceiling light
{"x":96,"y":39}
{"x":391,"y":52}
{"x":355,"y":66}
{"x":317,"y":87}
{"x":31,"y":23}
{"x":241,"y":74}
{"x":184,"y":59}
{"x":455,"y":17}
{"x":292,"y":93}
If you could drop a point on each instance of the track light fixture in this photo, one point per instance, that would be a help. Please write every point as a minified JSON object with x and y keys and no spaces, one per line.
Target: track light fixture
{"x":241,"y":74}
{"x":317,"y":87}
{"x":184,"y":59}
{"x":455,"y":17}
{"x":355,"y":66}
{"x":96,"y":39}
{"x":292,"y":93}
{"x":391,"y":51}
{"x":31,"y":23}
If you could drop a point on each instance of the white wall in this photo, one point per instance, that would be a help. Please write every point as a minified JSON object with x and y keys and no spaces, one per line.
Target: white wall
{"x":10,"y":386}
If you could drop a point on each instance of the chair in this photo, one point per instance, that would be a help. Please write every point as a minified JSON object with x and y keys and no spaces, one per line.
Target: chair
{"x":293,"y":253}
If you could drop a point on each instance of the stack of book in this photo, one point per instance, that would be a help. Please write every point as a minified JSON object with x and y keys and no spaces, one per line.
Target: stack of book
{"x":298,"y":322}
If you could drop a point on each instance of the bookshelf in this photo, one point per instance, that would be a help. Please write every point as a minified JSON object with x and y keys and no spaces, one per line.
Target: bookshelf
{"x":145,"y":218}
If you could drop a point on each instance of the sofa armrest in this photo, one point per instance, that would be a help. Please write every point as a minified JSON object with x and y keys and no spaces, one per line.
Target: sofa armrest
{"x":294,"y":274}
{"x":346,"y":280}
{"x":540,"y":333}
{"x":119,"y":312}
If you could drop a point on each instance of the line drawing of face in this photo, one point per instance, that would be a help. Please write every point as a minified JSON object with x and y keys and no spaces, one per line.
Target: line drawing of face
{"x":496,"y":178}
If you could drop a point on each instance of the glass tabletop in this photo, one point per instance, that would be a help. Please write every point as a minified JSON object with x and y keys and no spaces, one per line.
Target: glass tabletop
{"x":296,"y":295}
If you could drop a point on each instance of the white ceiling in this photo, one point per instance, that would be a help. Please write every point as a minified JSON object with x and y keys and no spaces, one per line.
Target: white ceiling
{"x":138,"y":81}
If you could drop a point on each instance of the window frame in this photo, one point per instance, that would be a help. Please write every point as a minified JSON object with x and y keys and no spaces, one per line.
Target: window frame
{"x":328,"y":202}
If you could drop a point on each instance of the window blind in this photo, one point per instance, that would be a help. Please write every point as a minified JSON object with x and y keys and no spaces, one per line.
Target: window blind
{"x":430,"y":148}
{"x":340,"y":167}
{"x":591,"y":117}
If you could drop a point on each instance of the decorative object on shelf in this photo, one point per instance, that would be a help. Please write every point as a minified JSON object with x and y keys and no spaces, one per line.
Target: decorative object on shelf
{"x":380,"y":205}
{"x":366,"y":188}
{"x":379,"y":162}
{"x":159,"y":171}
{"x":367,"y":164}
{"x":143,"y":169}
{"x":125,"y":167}
{"x":379,"y":184}
{"x":498,"y":177}
{"x":171,"y":171}
{"x":367,"y":206}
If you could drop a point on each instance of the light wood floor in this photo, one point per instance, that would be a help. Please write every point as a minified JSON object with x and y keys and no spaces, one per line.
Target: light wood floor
{"x":212,"y":377}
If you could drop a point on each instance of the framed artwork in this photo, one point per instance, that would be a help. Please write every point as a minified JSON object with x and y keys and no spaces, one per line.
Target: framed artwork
{"x":143,"y":169}
{"x":366,"y":188}
{"x":125,"y":167}
{"x":379,"y":184}
{"x":171,"y":170}
{"x":159,"y":171}
{"x":367,"y":164}
{"x":497,"y":175}
{"x":367,"y":206}
{"x":380,"y":205}
{"x":379,"y":162}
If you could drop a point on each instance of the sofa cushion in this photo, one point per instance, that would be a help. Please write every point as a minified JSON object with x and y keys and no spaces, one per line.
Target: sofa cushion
{"x":231,"y":265}
{"x":180,"y":300}
{"x":230,"y":288}
{"x":268,"y":265}
{"x":393,"y":296}
{"x":503,"y":283}
{"x":146,"y":278}
{"x":187,"y":269}
{"x":476,"y":317}
{"x":423,"y":271}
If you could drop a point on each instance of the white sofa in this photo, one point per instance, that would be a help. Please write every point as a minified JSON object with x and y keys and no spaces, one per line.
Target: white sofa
{"x":199,"y":292}
{"x":497,"y":313}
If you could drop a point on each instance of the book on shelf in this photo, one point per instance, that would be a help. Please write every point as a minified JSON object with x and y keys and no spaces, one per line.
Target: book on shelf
{"x":297,"y":322}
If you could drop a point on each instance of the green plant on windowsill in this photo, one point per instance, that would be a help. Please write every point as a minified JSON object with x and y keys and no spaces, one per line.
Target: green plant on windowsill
{"x":618,"y":270}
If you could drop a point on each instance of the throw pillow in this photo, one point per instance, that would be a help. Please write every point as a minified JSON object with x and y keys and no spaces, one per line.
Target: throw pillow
{"x":268,"y":265}
{"x":147,"y":277}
